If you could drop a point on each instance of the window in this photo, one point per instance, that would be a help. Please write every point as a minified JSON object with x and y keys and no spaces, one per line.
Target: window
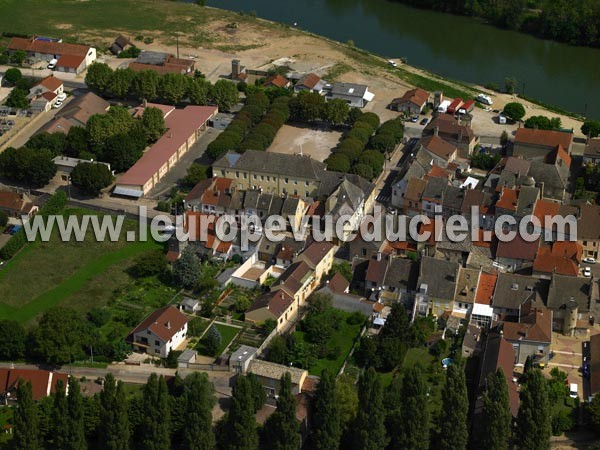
{"x":286,"y":180}
{"x":364,"y":252}
{"x":262,"y":178}
{"x":237,"y":174}
{"x":245,"y":175}
{"x":306,"y":183}
{"x":148,"y":332}
{"x":223,"y":172}
{"x":157,"y":343}
{"x":295,"y":191}
{"x":254,"y":176}
{"x":306,"y":194}
{"x":268,"y":178}
{"x":295,"y":181}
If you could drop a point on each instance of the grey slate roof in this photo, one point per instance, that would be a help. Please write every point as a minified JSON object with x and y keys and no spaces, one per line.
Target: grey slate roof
{"x":564,"y":289}
{"x":435,"y":188}
{"x":440,"y":277}
{"x":453,"y":198}
{"x":289,"y":206}
{"x":348,"y":89}
{"x":150,"y":57}
{"x":278,"y":163}
{"x":402,"y":274}
{"x":513,"y":290}
{"x":554,"y":181}
{"x":526,"y":201}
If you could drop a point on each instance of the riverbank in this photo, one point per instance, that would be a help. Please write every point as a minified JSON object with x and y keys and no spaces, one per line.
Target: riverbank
{"x":214,"y":37}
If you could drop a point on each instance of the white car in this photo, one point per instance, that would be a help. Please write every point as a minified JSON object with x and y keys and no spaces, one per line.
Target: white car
{"x":587,"y":272}
{"x":58,"y":104}
{"x":589,"y":260}
{"x":52,"y":64}
{"x":393,"y":63}
{"x":61,"y":97}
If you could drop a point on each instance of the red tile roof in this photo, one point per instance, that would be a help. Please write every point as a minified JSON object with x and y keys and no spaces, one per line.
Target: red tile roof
{"x":164,"y":323}
{"x":535,"y":325}
{"x":309,"y":80}
{"x":316,"y":251}
{"x":43,"y":382}
{"x":507,"y":200}
{"x":338,"y":283}
{"x":277,"y":80}
{"x":485,"y":288}
{"x":54,"y":48}
{"x":559,"y":153}
{"x":181,"y":125}
{"x":562,"y":258}
{"x":49,"y":95}
{"x":438,"y":147}
{"x":51,"y":83}
{"x":545,"y":208}
{"x":518,"y":248}
{"x":546,"y":138}
{"x":70,"y":61}
{"x":276,"y":302}
{"x":417,"y":97}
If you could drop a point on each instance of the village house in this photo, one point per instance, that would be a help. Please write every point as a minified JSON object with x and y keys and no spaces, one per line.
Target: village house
{"x":594,"y":364}
{"x":120,"y":44}
{"x":412,"y":102}
{"x":516,"y":253}
{"x":512,"y":291}
{"x":319,"y":257}
{"x":531,"y":336}
{"x":72,"y":58}
{"x":561,"y":257}
{"x":184,"y":127}
{"x":43,"y":383}
{"x":310,"y":82}
{"x":269,"y":376}
{"x":466,"y":291}
{"x":538,"y":144}
{"x":588,"y":230}
{"x":240,"y":360}
{"x":572,"y":300}
{"x":162,"y":63}
{"x":482,"y":313}
{"x":356,"y":95}
{"x":45,"y":93}
{"x":436,"y":287}
{"x":591,"y":153}
{"x":450,"y":130}
{"x":441,"y":151}
{"x":76,"y":113}
{"x":163,"y":331}
{"x":16,"y":204}
{"x":277,"y":81}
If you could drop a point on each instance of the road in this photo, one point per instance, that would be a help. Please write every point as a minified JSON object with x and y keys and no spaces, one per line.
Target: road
{"x":134,"y":374}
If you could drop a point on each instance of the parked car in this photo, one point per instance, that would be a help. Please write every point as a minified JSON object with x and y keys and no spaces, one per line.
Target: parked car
{"x":61,"y":97}
{"x":393,"y":63}
{"x":52,"y":64}
{"x":57,"y":104}
{"x":573,"y":390}
{"x":15,"y":229}
{"x":587,"y":272}
{"x":8,"y":229}
{"x":424,"y":121}
{"x":414,"y":119}
{"x":589,"y":260}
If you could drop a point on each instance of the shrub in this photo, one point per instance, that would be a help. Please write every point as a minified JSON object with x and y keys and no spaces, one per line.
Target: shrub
{"x":383,"y":142}
{"x":362,"y":170}
{"x":370,"y":118}
{"x":338,"y":163}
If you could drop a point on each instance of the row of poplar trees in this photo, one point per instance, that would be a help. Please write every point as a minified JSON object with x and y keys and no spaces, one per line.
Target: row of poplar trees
{"x":180,"y":416}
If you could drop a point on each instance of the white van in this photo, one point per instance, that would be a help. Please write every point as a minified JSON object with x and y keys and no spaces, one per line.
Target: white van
{"x":52,"y":64}
{"x":573,"y":390}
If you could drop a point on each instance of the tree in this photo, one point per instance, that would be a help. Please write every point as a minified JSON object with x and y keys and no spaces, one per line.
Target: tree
{"x":368,"y":118}
{"x":224,"y":94}
{"x":60,"y":418}
{"x":113,"y":416}
{"x":591,"y":128}
{"x":369,"y":427}
{"x":76,"y":411}
{"x":25,"y":420}
{"x":98,"y":77}
{"x":307,"y":106}
{"x":55,"y":142}
{"x":374,"y":159}
{"x":187,"y":269}
{"x":363,"y":170}
{"x":101,"y":127}
{"x":336,"y":111}
{"x":76,"y":142}
{"x":510,"y":84}
{"x":383,"y":142}
{"x":3,"y":220}
{"x":150,"y":264}
{"x":153,"y":123}
{"x":514,"y":111}
{"x":198,"y":399}
{"x":123,"y":150}
{"x":18,"y":57}
{"x":534,"y":426}
{"x":504,"y":138}
{"x":156,"y":421}
{"x":593,"y":413}
{"x":338,"y":162}
{"x":145,"y":84}
{"x":199,"y":91}
{"x":195,"y":174}
{"x":59,"y":337}
{"x":91,"y":177}
{"x":173,"y":87}
{"x":239,"y":425}
{"x":212,"y":341}
{"x":17,"y":99}
{"x":12,"y":340}
{"x":282,"y":430}
{"x":13,"y":75}
{"x":496,"y":418}
{"x":543,"y":123}
{"x":344,"y":268}
{"x":326,"y":429}
{"x":454,"y":434}
{"x":121,"y":82}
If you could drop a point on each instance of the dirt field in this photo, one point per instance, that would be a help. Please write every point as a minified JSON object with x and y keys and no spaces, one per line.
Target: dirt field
{"x":316,"y":143}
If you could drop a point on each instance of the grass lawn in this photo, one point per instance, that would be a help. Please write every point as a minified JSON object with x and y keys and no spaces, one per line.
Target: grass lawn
{"x":342,"y":339}
{"x":79,"y":274}
{"x":432,"y":368}
{"x":228,"y":334}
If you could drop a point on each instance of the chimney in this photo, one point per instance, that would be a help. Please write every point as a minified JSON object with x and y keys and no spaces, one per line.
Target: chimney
{"x":378,"y":256}
{"x":436,"y":131}
{"x":168,"y":325}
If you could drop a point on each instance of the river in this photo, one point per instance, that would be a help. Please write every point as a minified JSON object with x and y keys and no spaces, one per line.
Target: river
{"x":455,"y":47}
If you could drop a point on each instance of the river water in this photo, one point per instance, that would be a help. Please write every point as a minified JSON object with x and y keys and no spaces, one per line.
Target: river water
{"x":455,"y":47}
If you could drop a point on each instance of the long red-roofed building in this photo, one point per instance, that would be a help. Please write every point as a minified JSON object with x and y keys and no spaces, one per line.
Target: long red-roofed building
{"x":184,"y":127}
{"x":43,"y":382}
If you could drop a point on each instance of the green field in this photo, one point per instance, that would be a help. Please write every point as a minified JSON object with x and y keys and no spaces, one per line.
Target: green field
{"x":342,"y":339}
{"x":81,"y":275}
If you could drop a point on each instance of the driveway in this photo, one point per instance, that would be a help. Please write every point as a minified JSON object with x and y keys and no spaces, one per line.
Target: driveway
{"x":195,"y":154}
